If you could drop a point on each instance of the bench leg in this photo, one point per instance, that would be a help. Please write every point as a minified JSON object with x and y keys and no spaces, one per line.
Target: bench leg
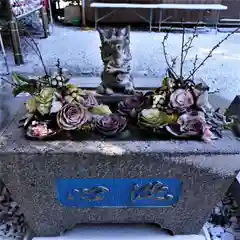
{"x":16,"y":43}
{"x":150,"y":20}
{"x":160,"y":20}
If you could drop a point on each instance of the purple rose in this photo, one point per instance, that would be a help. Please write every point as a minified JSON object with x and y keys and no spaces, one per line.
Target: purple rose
{"x":192,"y":123}
{"x":72,"y":116}
{"x":181,"y":99}
{"x":189,"y":124}
{"x":131,"y":106}
{"x":111,"y":125}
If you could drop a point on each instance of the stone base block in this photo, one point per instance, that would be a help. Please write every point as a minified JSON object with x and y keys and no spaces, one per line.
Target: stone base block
{"x":174,"y":184}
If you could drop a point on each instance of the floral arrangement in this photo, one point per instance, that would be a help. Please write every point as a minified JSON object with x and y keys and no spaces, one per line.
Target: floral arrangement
{"x":57,"y":107}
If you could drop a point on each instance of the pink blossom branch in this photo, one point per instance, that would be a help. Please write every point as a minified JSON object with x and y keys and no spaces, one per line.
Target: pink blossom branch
{"x":210,"y":53}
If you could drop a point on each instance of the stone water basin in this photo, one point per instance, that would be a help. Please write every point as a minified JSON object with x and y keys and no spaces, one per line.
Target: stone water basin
{"x":168,"y":183}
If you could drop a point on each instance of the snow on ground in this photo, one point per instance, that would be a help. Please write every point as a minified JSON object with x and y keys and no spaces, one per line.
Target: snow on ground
{"x":79,"y":52}
{"x":119,"y":232}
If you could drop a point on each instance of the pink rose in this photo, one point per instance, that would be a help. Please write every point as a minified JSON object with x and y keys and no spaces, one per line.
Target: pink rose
{"x":181,"y":99}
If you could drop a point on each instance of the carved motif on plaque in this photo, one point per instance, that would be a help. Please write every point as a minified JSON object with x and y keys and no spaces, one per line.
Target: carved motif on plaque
{"x":92,"y":194}
{"x":151,"y":191}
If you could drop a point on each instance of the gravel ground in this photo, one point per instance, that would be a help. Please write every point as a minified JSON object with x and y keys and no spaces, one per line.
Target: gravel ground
{"x":79,"y":52}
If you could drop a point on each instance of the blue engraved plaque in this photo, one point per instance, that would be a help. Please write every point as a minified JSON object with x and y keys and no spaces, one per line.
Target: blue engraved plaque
{"x":87,"y":193}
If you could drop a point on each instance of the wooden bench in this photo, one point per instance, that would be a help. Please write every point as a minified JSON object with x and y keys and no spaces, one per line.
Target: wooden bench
{"x":161,"y":7}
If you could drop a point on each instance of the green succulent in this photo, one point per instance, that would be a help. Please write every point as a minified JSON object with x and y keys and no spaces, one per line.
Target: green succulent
{"x":73,"y":94}
{"x":101,"y":110}
{"x":31,"y":105}
{"x":46,"y":95}
{"x":44,"y":100}
{"x":168,"y":84}
{"x":154,"y":118}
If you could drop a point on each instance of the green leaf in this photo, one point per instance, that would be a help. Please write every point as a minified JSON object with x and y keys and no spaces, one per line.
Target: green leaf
{"x":39,"y":99}
{"x":24,"y":88}
{"x":69,"y":86}
{"x":165,"y":82}
{"x":46,"y":94}
{"x":44,"y":109}
{"x":18,"y":79}
{"x":31,"y":105}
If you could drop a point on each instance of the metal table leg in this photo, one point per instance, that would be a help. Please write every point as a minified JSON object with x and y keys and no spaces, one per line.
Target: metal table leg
{"x":4,"y":53}
{"x":217,"y":20}
{"x":160,"y":20}
{"x":83,"y":13}
{"x":51,"y":15}
{"x":44,"y":22}
{"x":150,"y":20}
{"x":96,"y":17}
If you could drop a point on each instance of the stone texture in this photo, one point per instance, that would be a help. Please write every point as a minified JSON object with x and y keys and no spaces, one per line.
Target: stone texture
{"x":234,"y":108}
{"x":12,"y":224}
{"x":30,"y":169}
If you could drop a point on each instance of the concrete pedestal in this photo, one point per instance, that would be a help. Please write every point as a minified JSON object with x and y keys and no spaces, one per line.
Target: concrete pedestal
{"x":42,"y":175}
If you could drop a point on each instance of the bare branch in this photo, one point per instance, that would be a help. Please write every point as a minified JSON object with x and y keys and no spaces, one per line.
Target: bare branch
{"x":165,"y":54}
{"x":210,"y":53}
{"x":30,"y":45}
{"x":194,"y":65}
{"x":182,"y":52}
{"x":174,"y":61}
{"x":36,"y":50}
{"x":7,"y":81}
{"x":188,"y":44}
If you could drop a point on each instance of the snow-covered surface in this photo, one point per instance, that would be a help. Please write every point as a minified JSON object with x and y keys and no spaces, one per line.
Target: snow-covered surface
{"x":123,"y":5}
{"x":120,"y":232}
{"x":160,"y":6}
{"x":79,"y":52}
{"x":193,"y":6}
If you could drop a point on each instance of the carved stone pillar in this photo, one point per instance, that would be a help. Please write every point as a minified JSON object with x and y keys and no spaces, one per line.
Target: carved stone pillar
{"x":116,"y":57}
